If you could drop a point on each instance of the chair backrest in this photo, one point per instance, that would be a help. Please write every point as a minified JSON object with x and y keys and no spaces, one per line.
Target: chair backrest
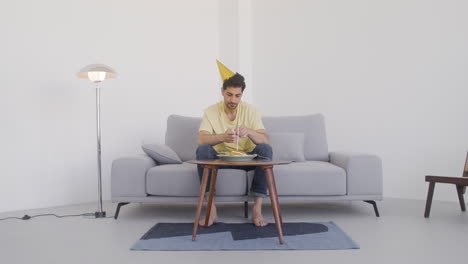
{"x":465,"y":170}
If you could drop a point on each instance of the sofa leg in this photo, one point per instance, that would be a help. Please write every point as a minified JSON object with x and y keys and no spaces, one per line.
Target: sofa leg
{"x":246,"y":209}
{"x":376,"y":210}
{"x":117,"y":211}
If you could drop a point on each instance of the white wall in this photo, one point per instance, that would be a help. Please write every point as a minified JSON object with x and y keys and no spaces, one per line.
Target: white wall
{"x":165,"y":53}
{"x":391,"y":78}
{"x":235,"y":40}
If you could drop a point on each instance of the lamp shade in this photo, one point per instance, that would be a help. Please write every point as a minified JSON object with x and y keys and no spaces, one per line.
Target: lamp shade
{"x":97,"y":72}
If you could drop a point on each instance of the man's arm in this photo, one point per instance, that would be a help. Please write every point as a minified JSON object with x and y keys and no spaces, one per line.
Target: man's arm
{"x":257,"y":136}
{"x":205,"y":137}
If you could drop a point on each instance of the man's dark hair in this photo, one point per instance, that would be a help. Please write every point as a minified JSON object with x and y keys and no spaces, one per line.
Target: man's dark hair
{"x":236,"y":80}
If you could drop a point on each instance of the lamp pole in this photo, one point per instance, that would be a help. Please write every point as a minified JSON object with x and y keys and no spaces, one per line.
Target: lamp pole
{"x":100,"y":213}
{"x":97,"y":73}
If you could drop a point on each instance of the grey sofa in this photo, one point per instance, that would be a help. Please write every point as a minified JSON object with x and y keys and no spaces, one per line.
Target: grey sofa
{"x":319,"y":176}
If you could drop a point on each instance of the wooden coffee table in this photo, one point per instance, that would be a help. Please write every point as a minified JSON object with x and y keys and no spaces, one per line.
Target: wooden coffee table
{"x":213,"y":165}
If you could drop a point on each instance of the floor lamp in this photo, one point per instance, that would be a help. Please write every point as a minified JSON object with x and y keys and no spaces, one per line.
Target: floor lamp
{"x":97,"y":73}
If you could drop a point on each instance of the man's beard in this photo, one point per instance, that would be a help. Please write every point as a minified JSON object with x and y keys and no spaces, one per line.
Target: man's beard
{"x":232,"y":106}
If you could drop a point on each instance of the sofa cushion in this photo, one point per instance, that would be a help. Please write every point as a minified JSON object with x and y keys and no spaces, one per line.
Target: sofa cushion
{"x":309,"y":178}
{"x":182,"y":180}
{"x":182,"y":134}
{"x":313,"y":127}
{"x":162,"y":154}
{"x":287,"y":146}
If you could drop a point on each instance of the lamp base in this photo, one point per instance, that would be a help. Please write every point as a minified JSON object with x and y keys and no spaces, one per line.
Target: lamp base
{"x":100,"y":214}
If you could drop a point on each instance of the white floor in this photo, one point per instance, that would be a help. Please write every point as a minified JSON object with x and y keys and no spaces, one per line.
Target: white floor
{"x":400,"y":235}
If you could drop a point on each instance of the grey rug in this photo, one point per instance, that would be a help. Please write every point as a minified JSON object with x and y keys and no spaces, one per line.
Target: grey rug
{"x":245,"y":236}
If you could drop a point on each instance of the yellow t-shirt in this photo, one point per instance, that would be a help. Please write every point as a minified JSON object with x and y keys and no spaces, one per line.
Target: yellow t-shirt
{"x":216,"y":121}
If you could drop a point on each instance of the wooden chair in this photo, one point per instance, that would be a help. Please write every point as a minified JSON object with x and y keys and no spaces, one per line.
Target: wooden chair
{"x":460,"y":184}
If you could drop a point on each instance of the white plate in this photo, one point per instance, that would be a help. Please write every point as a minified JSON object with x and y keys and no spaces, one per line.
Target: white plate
{"x":237,"y":157}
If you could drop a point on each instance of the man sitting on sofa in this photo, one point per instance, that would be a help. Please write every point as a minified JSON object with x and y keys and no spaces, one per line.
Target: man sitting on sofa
{"x":232,"y":125}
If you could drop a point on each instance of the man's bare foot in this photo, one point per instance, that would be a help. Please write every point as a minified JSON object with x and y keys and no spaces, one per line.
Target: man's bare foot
{"x":257,"y":217}
{"x":213,"y":217}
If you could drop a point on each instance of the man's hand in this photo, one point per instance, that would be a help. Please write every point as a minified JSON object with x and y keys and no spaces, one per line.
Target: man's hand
{"x":229,"y":136}
{"x":257,"y":136}
{"x":243,"y":131}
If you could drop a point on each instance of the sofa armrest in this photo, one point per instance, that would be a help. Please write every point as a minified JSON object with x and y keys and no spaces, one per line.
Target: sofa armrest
{"x":128,"y":176}
{"x":363,"y":172}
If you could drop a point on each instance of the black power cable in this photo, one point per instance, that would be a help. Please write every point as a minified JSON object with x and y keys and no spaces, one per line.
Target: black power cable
{"x":27,"y":217}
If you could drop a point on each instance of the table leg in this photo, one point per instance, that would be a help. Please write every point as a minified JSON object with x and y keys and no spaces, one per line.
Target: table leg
{"x":214,"y":173}
{"x":206,"y":172}
{"x":276,"y":196}
{"x":274,"y":200}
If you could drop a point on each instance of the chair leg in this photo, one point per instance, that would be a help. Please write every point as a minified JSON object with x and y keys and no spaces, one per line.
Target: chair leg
{"x":246,"y":209}
{"x":117,"y":211}
{"x":430,"y":194}
{"x":460,"y":197}
{"x":376,"y":210}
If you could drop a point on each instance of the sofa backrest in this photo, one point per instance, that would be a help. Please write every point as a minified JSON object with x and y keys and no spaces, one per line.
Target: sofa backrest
{"x":313,"y":127}
{"x":182,"y":134}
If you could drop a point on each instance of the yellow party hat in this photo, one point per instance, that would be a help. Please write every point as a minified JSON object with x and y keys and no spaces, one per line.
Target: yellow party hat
{"x":224,"y":71}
